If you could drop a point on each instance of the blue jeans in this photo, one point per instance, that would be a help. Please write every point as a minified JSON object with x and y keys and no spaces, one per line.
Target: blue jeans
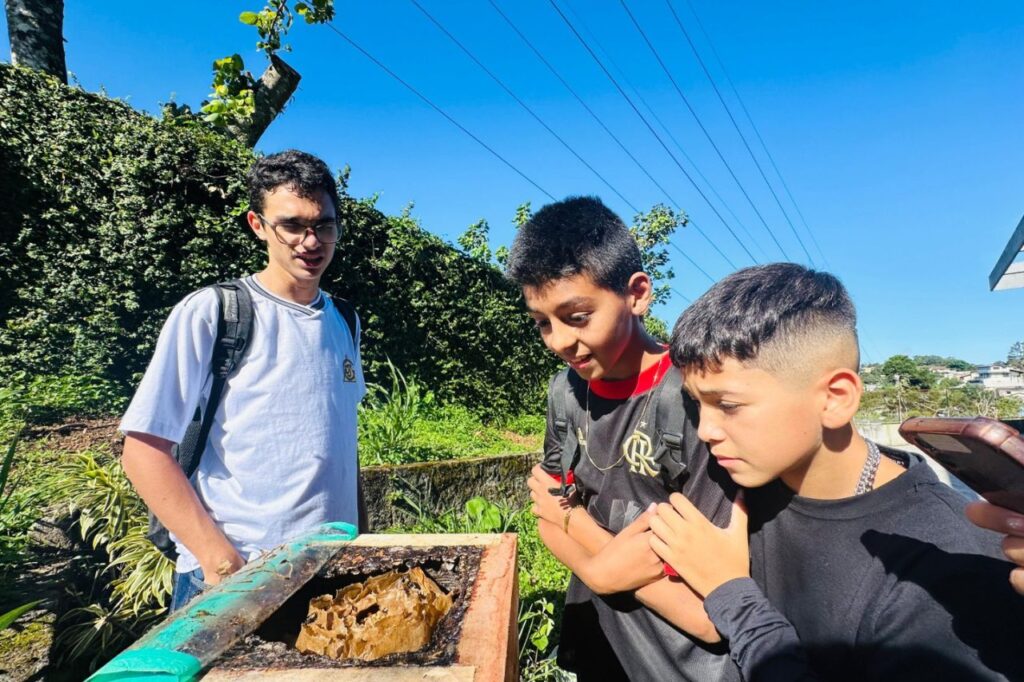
{"x":186,"y":586}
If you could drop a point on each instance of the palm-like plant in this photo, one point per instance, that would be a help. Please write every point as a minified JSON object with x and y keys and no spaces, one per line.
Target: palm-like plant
{"x":111,"y":517}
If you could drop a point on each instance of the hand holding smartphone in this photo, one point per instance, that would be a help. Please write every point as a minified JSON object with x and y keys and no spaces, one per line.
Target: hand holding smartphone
{"x":984,"y":453}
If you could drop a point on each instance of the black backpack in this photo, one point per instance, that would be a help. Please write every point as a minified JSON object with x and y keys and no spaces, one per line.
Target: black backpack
{"x":671,"y":409}
{"x":234,"y":329}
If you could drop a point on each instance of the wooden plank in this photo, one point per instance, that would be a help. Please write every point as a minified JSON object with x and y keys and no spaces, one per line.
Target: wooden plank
{"x":489,"y":639}
{"x":427,"y":540}
{"x":455,"y":673}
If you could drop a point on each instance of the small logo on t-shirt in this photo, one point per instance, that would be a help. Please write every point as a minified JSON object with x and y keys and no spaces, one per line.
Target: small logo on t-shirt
{"x":350,"y":371}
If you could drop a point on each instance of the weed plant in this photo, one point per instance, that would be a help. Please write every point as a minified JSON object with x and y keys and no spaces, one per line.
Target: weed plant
{"x":402,"y":423}
{"x":132,"y":591}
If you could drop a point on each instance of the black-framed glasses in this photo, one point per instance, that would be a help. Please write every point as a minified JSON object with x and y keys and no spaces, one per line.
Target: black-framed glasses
{"x":293,"y":232}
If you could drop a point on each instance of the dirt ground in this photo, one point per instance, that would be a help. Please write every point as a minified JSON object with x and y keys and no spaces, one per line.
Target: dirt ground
{"x":80,"y":434}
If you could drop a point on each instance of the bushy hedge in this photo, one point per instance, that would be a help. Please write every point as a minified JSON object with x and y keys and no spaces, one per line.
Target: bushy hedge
{"x":109,"y":216}
{"x":450,"y":320}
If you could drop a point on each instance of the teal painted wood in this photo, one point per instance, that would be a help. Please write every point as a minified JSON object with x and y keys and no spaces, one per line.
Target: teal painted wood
{"x":194,"y":637}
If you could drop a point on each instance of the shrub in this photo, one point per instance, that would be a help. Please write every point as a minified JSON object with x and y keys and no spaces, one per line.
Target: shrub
{"x":108,"y":217}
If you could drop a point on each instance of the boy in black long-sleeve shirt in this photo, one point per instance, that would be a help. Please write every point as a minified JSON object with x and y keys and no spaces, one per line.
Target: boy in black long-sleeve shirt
{"x":860,"y":564}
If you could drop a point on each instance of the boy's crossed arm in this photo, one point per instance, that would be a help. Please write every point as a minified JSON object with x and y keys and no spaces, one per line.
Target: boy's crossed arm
{"x":609,"y":563}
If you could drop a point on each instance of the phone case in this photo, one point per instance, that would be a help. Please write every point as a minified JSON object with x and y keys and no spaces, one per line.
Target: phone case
{"x":984,"y":453}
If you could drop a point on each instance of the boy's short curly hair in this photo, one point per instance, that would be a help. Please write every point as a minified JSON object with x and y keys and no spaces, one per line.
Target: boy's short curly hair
{"x":573,"y":236}
{"x":300,"y":172}
{"x":780,"y":316}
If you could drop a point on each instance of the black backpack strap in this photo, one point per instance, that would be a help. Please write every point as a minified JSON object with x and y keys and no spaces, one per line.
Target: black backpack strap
{"x":348,"y":313}
{"x":560,"y":393}
{"x":234,"y":329}
{"x":669,"y":420}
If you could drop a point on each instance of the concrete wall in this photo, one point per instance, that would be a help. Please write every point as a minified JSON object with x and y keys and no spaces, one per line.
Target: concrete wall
{"x":436,"y":487}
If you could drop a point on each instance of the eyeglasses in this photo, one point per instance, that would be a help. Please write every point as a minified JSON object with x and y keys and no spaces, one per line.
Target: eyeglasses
{"x":293,"y":232}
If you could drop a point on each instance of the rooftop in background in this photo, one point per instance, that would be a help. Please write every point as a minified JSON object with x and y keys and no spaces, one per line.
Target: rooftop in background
{"x":1009,"y":272}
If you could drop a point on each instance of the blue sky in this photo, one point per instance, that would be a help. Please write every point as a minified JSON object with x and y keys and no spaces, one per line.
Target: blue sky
{"x":897,"y":126}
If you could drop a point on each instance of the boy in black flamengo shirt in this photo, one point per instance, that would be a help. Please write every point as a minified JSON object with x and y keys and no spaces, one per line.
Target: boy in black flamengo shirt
{"x":582,"y":279}
{"x":860,"y":563}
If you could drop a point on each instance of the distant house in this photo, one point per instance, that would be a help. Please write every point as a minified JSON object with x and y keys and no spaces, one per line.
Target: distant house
{"x":1000,"y":378}
{"x":961,"y":376}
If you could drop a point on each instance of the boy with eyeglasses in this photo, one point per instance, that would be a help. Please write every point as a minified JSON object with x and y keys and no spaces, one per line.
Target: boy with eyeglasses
{"x":281,"y":453}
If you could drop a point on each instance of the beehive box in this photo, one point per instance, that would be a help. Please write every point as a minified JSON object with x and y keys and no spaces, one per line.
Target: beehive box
{"x":475,"y":641}
{"x":245,"y":628}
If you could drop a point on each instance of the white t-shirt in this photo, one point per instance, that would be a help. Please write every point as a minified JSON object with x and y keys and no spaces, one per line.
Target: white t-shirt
{"x":281,"y":456}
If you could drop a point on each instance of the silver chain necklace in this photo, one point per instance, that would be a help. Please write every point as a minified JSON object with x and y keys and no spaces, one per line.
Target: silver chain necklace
{"x":867,"y":474}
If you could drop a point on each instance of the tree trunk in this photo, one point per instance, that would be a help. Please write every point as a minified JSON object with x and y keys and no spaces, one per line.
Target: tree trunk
{"x":36,"y":31}
{"x":271,"y":94}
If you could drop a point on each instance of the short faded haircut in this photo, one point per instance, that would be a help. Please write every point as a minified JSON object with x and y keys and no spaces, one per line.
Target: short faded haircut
{"x":579,"y":235}
{"x":298,"y":171}
{"x":781,"y":317}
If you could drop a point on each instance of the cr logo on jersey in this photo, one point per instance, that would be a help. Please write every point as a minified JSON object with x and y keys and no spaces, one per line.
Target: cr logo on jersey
{"x":639,"y":452}
{"x":350,"y":371}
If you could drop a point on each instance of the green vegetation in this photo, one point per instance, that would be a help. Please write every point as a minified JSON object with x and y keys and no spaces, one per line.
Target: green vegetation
{"x":1015,"y":356}
{"x":402,"y":423}
{"x":904,"y":387}
{"x":947,"y":362}
{"x":111,"y":217}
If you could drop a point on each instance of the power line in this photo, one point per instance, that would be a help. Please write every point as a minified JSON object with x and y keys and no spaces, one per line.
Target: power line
{"x":439,"y":110}
{"x":667,"y":131}
{"x":608,"y":130}
{"x":700,"y":123}
{"x":522,"y":104}
{"x":680,"y":294}
{"x":737,"y":127}
{"x":651,"y":128}
{"x":692,"y":262}
{"x":757,"y":132}
{"x":697,"y":170}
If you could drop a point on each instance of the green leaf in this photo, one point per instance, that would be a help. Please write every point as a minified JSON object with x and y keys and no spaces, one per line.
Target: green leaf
{"x":476,"y":506}
{"x":248,"y":18}
{"x":14,"y":614}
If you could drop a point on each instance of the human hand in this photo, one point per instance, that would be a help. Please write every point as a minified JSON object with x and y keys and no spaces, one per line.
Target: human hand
{"x":551,"y":508}
{"x":626,"y":562}
{"x":704,"y":555}
{"x":1002,"y":520}
{"x":215,"y":569}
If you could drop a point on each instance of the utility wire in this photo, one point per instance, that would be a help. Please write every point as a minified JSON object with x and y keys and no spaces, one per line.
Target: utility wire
{"x":522,"y":104}
{"x":439,"y":110}
{"x":697,"y":170}
{"x":700,"y":123}
{"x":610,"y":133}
{"x":757,"y":132}
{"x":735,"y":125}
{"x":651,"y":128}
{"x":692,"y":262}
{"x":680,"y":294}
{"x":636,"y":92}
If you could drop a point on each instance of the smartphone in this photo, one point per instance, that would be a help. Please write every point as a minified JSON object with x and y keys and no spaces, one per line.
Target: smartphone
{"x":984,"y":453}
